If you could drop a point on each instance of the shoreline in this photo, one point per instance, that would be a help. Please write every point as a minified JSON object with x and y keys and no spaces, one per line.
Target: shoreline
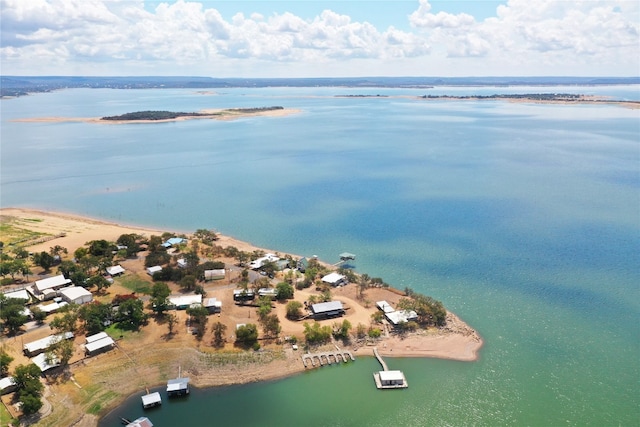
{"x":132,"y":367}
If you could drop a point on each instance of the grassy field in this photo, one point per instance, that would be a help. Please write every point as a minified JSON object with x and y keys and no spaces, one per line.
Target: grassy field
{"x":11,"y":233}
{"x":135,"y":284}
{"x":5,"y":418}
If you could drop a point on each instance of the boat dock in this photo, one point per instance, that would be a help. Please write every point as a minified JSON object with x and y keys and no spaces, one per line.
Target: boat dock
{"x":326,"y":357}
{"x":387,"y":379}
{"x":150,"y":400}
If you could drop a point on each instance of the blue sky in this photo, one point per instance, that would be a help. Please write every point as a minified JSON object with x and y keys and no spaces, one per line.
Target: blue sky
{"x":309,"y":38}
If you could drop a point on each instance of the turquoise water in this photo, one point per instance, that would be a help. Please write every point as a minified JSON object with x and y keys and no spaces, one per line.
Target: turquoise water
{"x":524,"y":219}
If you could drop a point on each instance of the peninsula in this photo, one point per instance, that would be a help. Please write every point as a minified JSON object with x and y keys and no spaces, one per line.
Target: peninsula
{"x":89,"y":385}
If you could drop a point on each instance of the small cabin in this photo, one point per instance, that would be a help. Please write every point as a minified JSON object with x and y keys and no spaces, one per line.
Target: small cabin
{"x":151,"y":399}
{"x":115,"y":270}
{"x":153,"y":270}
{"x":178,"y":387}
{"x":212,"y":305}
{"x":325,"y":310}
{"x":390,"y":379}
{"x":335,"y":279}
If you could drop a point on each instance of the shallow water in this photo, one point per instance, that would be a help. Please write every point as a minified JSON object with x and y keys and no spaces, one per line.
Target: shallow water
{"x":524,"y":219}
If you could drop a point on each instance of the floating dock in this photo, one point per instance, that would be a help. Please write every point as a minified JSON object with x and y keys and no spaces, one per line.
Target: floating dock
{"x":387,"y":379}
{"x":326,"y":357}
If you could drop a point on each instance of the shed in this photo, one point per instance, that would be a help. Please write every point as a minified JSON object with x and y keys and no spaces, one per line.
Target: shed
{"x":96,"y":337}
{"x":212,"y":304}
{"x":76,"y":295}
{"x":41,"y":362}
{"x":52,"y":307}
{"x":34,"y":347}
{"x":150,"y":400}
{"x":7,"y":385}
{"x":153,"y":270}
{"x":174,"y":241}
{"x":182,"y":263}
{"x":302,"y":264}
{"x":327,"y":309}
{"x":115,"y":270}
{"x":178,"y":387}
{"x":185,"y":301}
{"x":384,"y":306}
{"x":98,"y":346}
{"x":55,"y":282}
{"x":335,"y":279}
{"x":215,"y":274}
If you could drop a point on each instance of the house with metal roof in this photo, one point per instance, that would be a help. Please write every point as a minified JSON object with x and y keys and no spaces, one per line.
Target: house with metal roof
{"x":258,"y":263}
{"x":51,"y":283}
{"x":76,"y":295}
{"x":174,"y":241}
{"x":153,"y":270}
{"x":7,"y":385}
{"x":45,"y":363}
{"x":212,"y":305}
{"x":385,"y":307}
{"x":35,"y":347}
{"x":335,"y":279}
{"x":183,"y":302}
{"x":140,"y":422}
{"x":326,"y":310}
{"x":401,"y":316}
{"x":390,"y":379}
{"x":20,"y":294}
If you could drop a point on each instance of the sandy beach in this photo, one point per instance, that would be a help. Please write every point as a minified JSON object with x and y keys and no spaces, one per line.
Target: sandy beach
{"x":149,"y":357}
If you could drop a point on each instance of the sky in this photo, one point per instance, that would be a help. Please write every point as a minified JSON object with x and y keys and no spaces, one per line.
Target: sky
{"x":309,"y":38}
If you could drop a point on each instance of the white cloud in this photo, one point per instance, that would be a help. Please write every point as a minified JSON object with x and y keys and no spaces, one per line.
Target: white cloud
{"x":190,"y":37}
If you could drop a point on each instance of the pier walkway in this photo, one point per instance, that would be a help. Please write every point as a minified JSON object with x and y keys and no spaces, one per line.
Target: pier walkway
{"x":380,"y":359}
{"x":386,"y":379}
{"x":326,"y":357}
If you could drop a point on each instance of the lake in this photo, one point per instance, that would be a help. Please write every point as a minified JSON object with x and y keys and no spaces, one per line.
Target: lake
{"x":524,"y":219}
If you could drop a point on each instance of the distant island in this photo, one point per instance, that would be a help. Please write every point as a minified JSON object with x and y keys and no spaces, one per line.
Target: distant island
{"x":171,"y":115}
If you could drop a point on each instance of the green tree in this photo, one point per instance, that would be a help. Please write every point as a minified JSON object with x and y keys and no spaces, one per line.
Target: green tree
{"x":316,"y":334}
{"x":38,"y":315}
{"x":30,"y":404}
{"x":294,"y":310}
{"x":100,"y":282}
{"x":101,"y":249}
{"x":188,"y":283}
{"x":271,"y":325}
{"x":58,"y":251}
{"x":5,"y":361}
{"x":341,"y":330}
{"x":247,"y":334}
{"x":94,"y":315}
{"x":66,"y":322}
{"x":159,"y":297}
{"x":28,"y":387}
{"x":218,"y":334}
{"x":62,"y":350}
{"x":12,"y":313}
{"x":130,"y":314}
{"x":130,"y":241}
{"x":43,"y":259}
{"x":284,"y":291}
{"x":172,"y":320}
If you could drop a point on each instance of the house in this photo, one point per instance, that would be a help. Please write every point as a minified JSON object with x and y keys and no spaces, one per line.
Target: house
{"x":384,"y":306}
{"x":98,"y":343}
{"x":151,"y":399}
{"x":325,"y":310}
{"x":174,"y":241}
{"x":178,"y":387}
{"x":183,"y":302}
{"x":212,"y":304}
{"x":51,"y":284}
{"x":390,"y":379}
{"x":115,"y":270}
{"x":302,"y":264}
{"x":153,"y":270}
{"x":7,"y":385}
{"x":182,"y":263}
{"x":45,"y":363}
{"x":35,"y":347}
{"x":335,"y":279}
{"x":21,"y":294}
{"x":268,"y":292}
{"x":258,"y":263}
{"x":243,"y":295}
{"x":215,"y":274}
{"x":76,"y":295}
{"x":401,"y":316}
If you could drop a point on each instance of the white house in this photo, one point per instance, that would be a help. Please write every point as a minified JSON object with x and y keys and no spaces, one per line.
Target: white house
{"x":258,"y":263}
{"x":384,"y":306}
{"x":7,"y":385}
{"x":182,"y":263}
{"x":335,"y":279}
{"x":21,"y":294}
{"x":401,"y":316}
{"x":38,"y":346}
{"x":41,"y":362}
{"x":51,"y":283}
{"x":212,"y":304}
{"x":153,"y":270}
{"x":76,"y":295}
{"x":115,"y":270}
{"x":185,"y":301}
